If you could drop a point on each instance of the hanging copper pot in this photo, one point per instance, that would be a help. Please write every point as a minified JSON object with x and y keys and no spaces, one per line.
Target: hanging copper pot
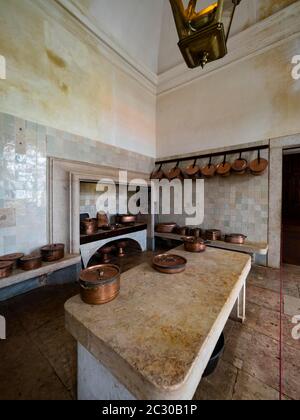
{"x":158,"y":174}
{"x":224,"y":168}
{"x":192,"y":171}
{"x":259,"y":165}
{"x":240,"y":165}
{"x":100,"y":284}
{"x":175,"y":173}
{"x":12,"y":258}
{"x":209,"y":170}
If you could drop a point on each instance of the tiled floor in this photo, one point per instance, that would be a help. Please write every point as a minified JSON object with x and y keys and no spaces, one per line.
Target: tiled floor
{"x":38,"y":360}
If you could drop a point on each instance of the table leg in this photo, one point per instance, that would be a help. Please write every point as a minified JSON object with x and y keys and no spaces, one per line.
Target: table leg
{"x":241,"y":305}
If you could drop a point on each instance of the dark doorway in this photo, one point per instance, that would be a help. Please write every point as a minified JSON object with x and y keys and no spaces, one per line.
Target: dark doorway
{"x":291,"y":209}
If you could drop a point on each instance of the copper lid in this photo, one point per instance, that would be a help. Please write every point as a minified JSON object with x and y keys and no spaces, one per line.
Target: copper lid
{"x":5,"y":264}
{"x":11,"y":257}
{"x":53,"y":247}
{"x":31,"y":257}
{"x":99,"y":275}
{"x":169,"y":261}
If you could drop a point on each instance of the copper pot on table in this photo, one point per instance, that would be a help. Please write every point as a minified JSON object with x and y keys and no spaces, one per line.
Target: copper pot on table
{"x":100,"y":284}
{"x":102,"y":219}
{"x":31,"y":262}
{"x":169,"y":263}
{"x":192,"y":244}
{"x":6,"y":268}
{"x":53,"y":252}
{"x":12,"y":258}
{"x":89,"y":226}
{"x":194,"y":231}
{"x":235,"y":238}
{"x":181,"y":230}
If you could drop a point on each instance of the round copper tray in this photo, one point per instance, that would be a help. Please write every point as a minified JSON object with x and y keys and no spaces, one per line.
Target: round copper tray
{"x":169,"y":263}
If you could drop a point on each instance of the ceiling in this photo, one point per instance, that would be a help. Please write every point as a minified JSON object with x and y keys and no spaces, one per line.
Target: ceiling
{"x":144,"y":30}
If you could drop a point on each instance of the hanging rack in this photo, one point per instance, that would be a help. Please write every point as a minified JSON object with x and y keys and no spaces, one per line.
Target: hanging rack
{"x":211,"y":155}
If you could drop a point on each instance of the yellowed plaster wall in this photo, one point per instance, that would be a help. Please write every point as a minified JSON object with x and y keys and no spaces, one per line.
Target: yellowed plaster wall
{"x":58,"y":76}
{"x":248,"y":101}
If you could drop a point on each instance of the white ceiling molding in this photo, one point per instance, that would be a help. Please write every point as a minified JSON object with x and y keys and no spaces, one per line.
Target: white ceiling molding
{"x":253,"y":41}
{"x":113,"y":52}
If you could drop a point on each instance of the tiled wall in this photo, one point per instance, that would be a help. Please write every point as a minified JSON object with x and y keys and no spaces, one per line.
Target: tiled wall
{"x":24,"y":148}
{"x":22,"y":185}
{"x":237,"y":204}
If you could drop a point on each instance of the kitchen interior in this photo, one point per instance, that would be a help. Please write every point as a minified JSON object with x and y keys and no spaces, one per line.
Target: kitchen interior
{"x":111,"y":305}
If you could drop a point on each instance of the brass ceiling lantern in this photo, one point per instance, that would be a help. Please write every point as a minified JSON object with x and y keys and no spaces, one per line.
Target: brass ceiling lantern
{"x":202,"y":37}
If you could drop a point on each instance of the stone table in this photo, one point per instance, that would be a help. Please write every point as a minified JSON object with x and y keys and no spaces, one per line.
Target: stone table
{"x":154,"y":341}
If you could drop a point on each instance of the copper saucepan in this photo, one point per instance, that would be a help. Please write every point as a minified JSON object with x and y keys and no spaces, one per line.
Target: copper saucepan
{"x":240,"y":165}
{"x":12,"y":258}
{"x":259,"y":165}
{"x":192,"y":171}
{"x":6,"y":268}
{"x":124,"y":219}
{"x":165,"y":227}
{"x":175,"y":173}
{"x":158,"y":174}
{"x":213,"y":235}
{"x":193,"y":244}
{"x":209,"y":170}
{"x":89,"y":226}
{"x":224,"y":168}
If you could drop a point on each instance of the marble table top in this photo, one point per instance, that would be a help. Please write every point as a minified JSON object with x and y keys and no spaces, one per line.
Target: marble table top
{"x":158,"y":335}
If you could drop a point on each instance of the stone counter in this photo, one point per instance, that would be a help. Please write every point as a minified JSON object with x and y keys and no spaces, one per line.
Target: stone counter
{"x":157,"y":337}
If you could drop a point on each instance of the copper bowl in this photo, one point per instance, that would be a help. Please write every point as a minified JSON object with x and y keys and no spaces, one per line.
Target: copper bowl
{"x":30,"y":262}
{"x":236,"y":238}
{"x":192,"y":244}
{"x":12,"y":258}
{"x":53,"y":252}
{"x":100,"y":284}
{"x":6,"y":269}
{"x":165,"y":227}
{"x":89,"y":226}
{"x":169,"y":263}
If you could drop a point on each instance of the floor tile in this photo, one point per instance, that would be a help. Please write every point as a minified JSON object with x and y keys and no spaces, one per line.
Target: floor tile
{"x":251,"y":389}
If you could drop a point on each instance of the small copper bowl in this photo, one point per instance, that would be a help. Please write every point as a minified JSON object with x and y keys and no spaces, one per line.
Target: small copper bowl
{"x":30,"y":262}
{"x":89,"y":226}
{"x":100,"y":284}
{"x":6,"y":269}
{"x":12,"y":258}
{"x":54,"y":252}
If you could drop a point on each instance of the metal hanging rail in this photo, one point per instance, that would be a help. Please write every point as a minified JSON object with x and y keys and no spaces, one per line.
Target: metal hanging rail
{"x":211,"y":155}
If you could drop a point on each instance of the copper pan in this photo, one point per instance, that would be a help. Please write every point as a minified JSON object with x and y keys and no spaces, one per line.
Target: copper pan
{"x":259,"y":165}
{"x":213,"y":235}
{"x":209,"y":170}
{"x":102,"y":219}
{"x":175,"y":173}
{"x":224,"y":168}
{"x":169,"y":264}
{"x":240,"y":165}
{"x":89,"y":226}
{"x":192,"y":171}
{"x":53,"y":252}
{"x":158,"y":174}
{"x":165,"y":227}
{"x":235,"y":238}
{"x":181,"y":230}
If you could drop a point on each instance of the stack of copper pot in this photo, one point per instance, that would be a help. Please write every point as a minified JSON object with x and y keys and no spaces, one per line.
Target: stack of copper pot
{"x":8,"y":263}
{"x":100,"y":284}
